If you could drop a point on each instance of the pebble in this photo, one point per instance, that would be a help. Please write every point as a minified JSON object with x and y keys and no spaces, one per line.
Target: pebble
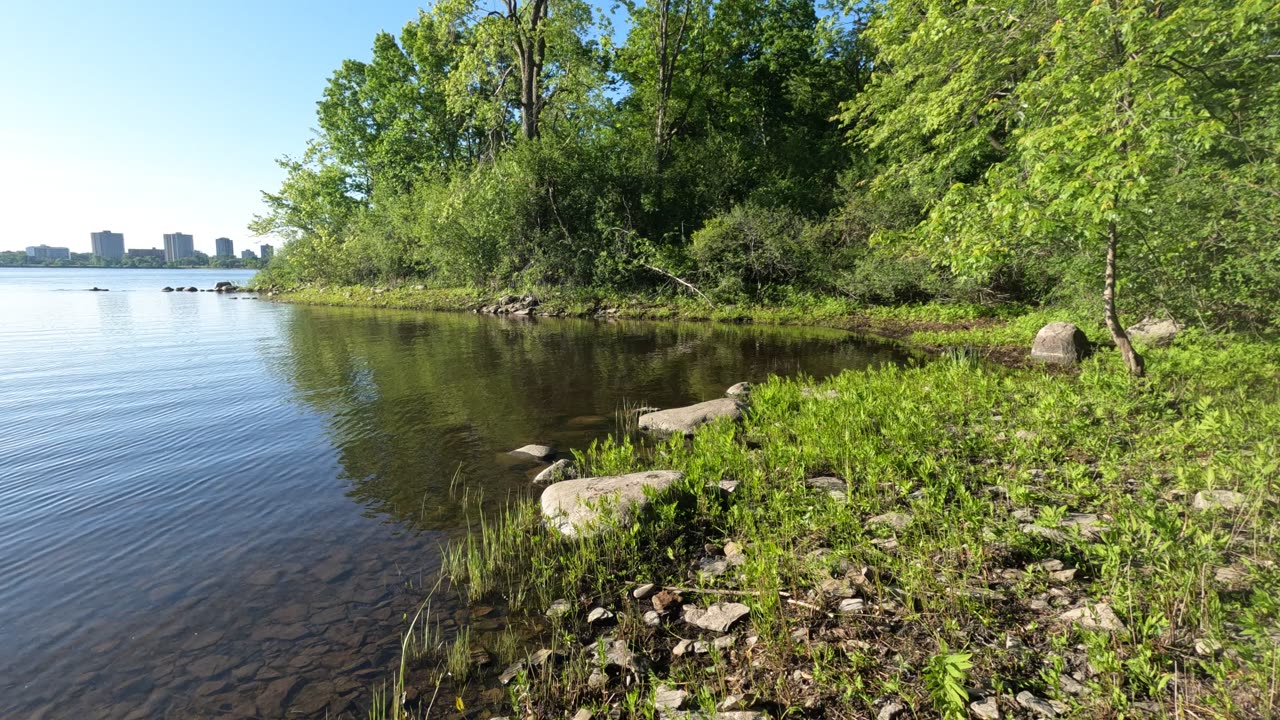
{"x":559,"y":608}
{"x":1040,"y":706}
{"x":987,"y":708}
{"x":897,"y":521}
{"x":890,"y":711}
{"x":849,"y":606}
{"x":652,"y":618}
{"x":598,"y":615}
{"x":716,"y":618}
{"x":668,"y":699}
{"x":643,"y":591}
{"x":1097,"y":617}
{"x":1217,"y":500}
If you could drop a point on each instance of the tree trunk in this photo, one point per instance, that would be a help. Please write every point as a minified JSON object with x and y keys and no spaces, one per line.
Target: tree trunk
{"x":1132,"y":359}
{"x":531,"y":50}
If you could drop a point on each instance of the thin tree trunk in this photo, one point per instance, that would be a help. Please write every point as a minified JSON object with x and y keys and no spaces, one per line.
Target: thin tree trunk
{"x":1132,"y":359}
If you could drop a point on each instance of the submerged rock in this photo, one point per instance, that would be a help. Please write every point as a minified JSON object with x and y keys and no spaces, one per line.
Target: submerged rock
{"x":685,"y":420}
{"x":166,"y":288}
{"x":540,"y":452}
{"x":1060,"y":343}
{"x":574,"y":507}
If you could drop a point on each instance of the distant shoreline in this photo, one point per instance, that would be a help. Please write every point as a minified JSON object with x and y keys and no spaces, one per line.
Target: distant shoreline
{"x":114,"y":267}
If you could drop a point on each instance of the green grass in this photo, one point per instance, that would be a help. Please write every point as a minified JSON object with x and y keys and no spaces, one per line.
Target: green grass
{"x":988,"y":463}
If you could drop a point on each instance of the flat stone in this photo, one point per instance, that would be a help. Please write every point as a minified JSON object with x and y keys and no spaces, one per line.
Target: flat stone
{"x":559,"y":608}
{"x":574,"y":506}
{"x":643,"y":591}
{"x":273,"y":700}
{"x":1039,"y":706}
{"x":1053,"y":535}
{"x":1096,"y":617}
{"x":835,"y":487}
{"x":512,"y":672}
{"x":598,"y":615}
{"x":583,"y":714}
{"x":713,"y":567}
{"x":716,"y":618}
{"x":1063,"y":576}
{"x":667,"y":699}
{"x":1059,"y":343}
{"x":543,"y":656}
{"x":559,"y":470}
{"x":685,"y":420}
{"x":652,"y":619}
{"x":849,"y":606}
{"x":541,"y":452}
{"x":897,"y":521}
{"x":1068,"y":685}
{"x":1217,"y":500}
{"x":620,"y":656}
{"x":987,"y":708}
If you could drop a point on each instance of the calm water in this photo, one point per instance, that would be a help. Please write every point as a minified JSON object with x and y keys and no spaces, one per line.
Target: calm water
{"x":216,"y":506}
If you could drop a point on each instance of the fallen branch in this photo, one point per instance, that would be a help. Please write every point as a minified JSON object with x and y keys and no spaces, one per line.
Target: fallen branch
{"x":683,"y":282}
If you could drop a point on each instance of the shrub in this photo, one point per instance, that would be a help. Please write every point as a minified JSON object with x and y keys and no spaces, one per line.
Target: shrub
{"x":750,"y":248}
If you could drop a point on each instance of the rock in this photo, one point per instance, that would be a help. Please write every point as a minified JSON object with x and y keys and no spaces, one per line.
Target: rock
{"x":652,"y":618}
{"x":643,"y":591}
{"x":1063,"y":576}
{"x":543,"y":656}
{"x":739,"y":390}
{"x":667,"y":699}
{"x":1025,"y":436}
{"x":597,"y":680}
{"x":181,"y":288}
{"x":583,"y":714}
{"x":598,"y":615}
{"x":732,"y":550}
{"x":1096,"y":617}
{"x":742,"y":715}
{"x":717,"y":618}
{"x":512,"y":672}
{"x":620,"y":656}
{"x":897,"y":521}
{"x":191,"y":289}
{"x":664,"y":600}
{"x":1087,"y":523}
{"x":1230,"y":574}
{"x":1040,"y":706}
{"x":891,"y":711}
{"x":1217,"y":500}
{"x":559,"y":608}
{"x":275,"y":698}
{"x":682,"y":647}
{"x":540,"y":452}
{"x":987,"y":708}
{"x":713,"y":566}
{"x":1060,"y":343}
{"x":1208,"y":647}
{"x":1068,"y":685}
{"x":849,"y":606}
{"x":166,"y":288}
{"x":574,"y":506}
{"x":95,"y":288}
{"x":1154,"y":332}
{"x":559,"y":470}
{"x":224,"y":285}
{"x":685,"y":420}
{"x":834,"y":486}
{"x":727,"y":486}
{"x":1051,"y":534}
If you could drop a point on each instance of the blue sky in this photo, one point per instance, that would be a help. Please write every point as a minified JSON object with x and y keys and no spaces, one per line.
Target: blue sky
{"x":148,"y":117}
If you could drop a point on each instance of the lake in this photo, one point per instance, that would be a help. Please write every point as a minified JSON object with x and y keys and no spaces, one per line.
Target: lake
{"x":218,"y":506}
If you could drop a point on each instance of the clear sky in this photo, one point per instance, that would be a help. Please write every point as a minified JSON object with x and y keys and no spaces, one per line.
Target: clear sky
{"x":148,"y":117}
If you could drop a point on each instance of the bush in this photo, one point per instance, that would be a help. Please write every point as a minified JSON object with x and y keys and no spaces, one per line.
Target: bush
{"x":751,"y":248}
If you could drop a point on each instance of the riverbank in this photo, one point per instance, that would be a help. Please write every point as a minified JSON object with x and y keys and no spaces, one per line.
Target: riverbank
{"x":948,"y":540}
{"x":1002,"y":332}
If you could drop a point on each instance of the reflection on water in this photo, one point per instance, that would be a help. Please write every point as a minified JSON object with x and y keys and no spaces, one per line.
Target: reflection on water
{"x":217,"y":507}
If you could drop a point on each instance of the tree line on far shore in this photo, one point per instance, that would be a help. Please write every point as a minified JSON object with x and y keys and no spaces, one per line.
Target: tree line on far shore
{"x":893,"y":151}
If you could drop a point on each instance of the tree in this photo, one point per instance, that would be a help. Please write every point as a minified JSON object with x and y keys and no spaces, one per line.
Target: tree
{"x":1075,"y":124}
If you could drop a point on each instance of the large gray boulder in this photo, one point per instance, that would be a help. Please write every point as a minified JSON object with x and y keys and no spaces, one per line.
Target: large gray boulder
{"x":574,"y":507}
{"x":1060,"y":343}
{"x":1154,"y":332}
{"x":685,"y":420}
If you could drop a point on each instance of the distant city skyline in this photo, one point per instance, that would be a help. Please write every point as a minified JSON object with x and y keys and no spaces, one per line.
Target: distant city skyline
{"x":105,"y":243}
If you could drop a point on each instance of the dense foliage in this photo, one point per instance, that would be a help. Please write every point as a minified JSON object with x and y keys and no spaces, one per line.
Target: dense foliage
{"x":888,"y":152}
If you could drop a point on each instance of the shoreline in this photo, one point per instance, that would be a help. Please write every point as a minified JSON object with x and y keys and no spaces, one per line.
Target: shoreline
{"x":949,"y":539}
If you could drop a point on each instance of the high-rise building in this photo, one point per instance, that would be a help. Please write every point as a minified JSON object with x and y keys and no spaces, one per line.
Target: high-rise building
{"x":266,"y":251}
{"x":107,"y":244}
{"x":44,"y":252}
{"x":178,"y":246}
{"x":141,"y":253}
{"x":224,"y":248}
{"x":247,"y":254}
